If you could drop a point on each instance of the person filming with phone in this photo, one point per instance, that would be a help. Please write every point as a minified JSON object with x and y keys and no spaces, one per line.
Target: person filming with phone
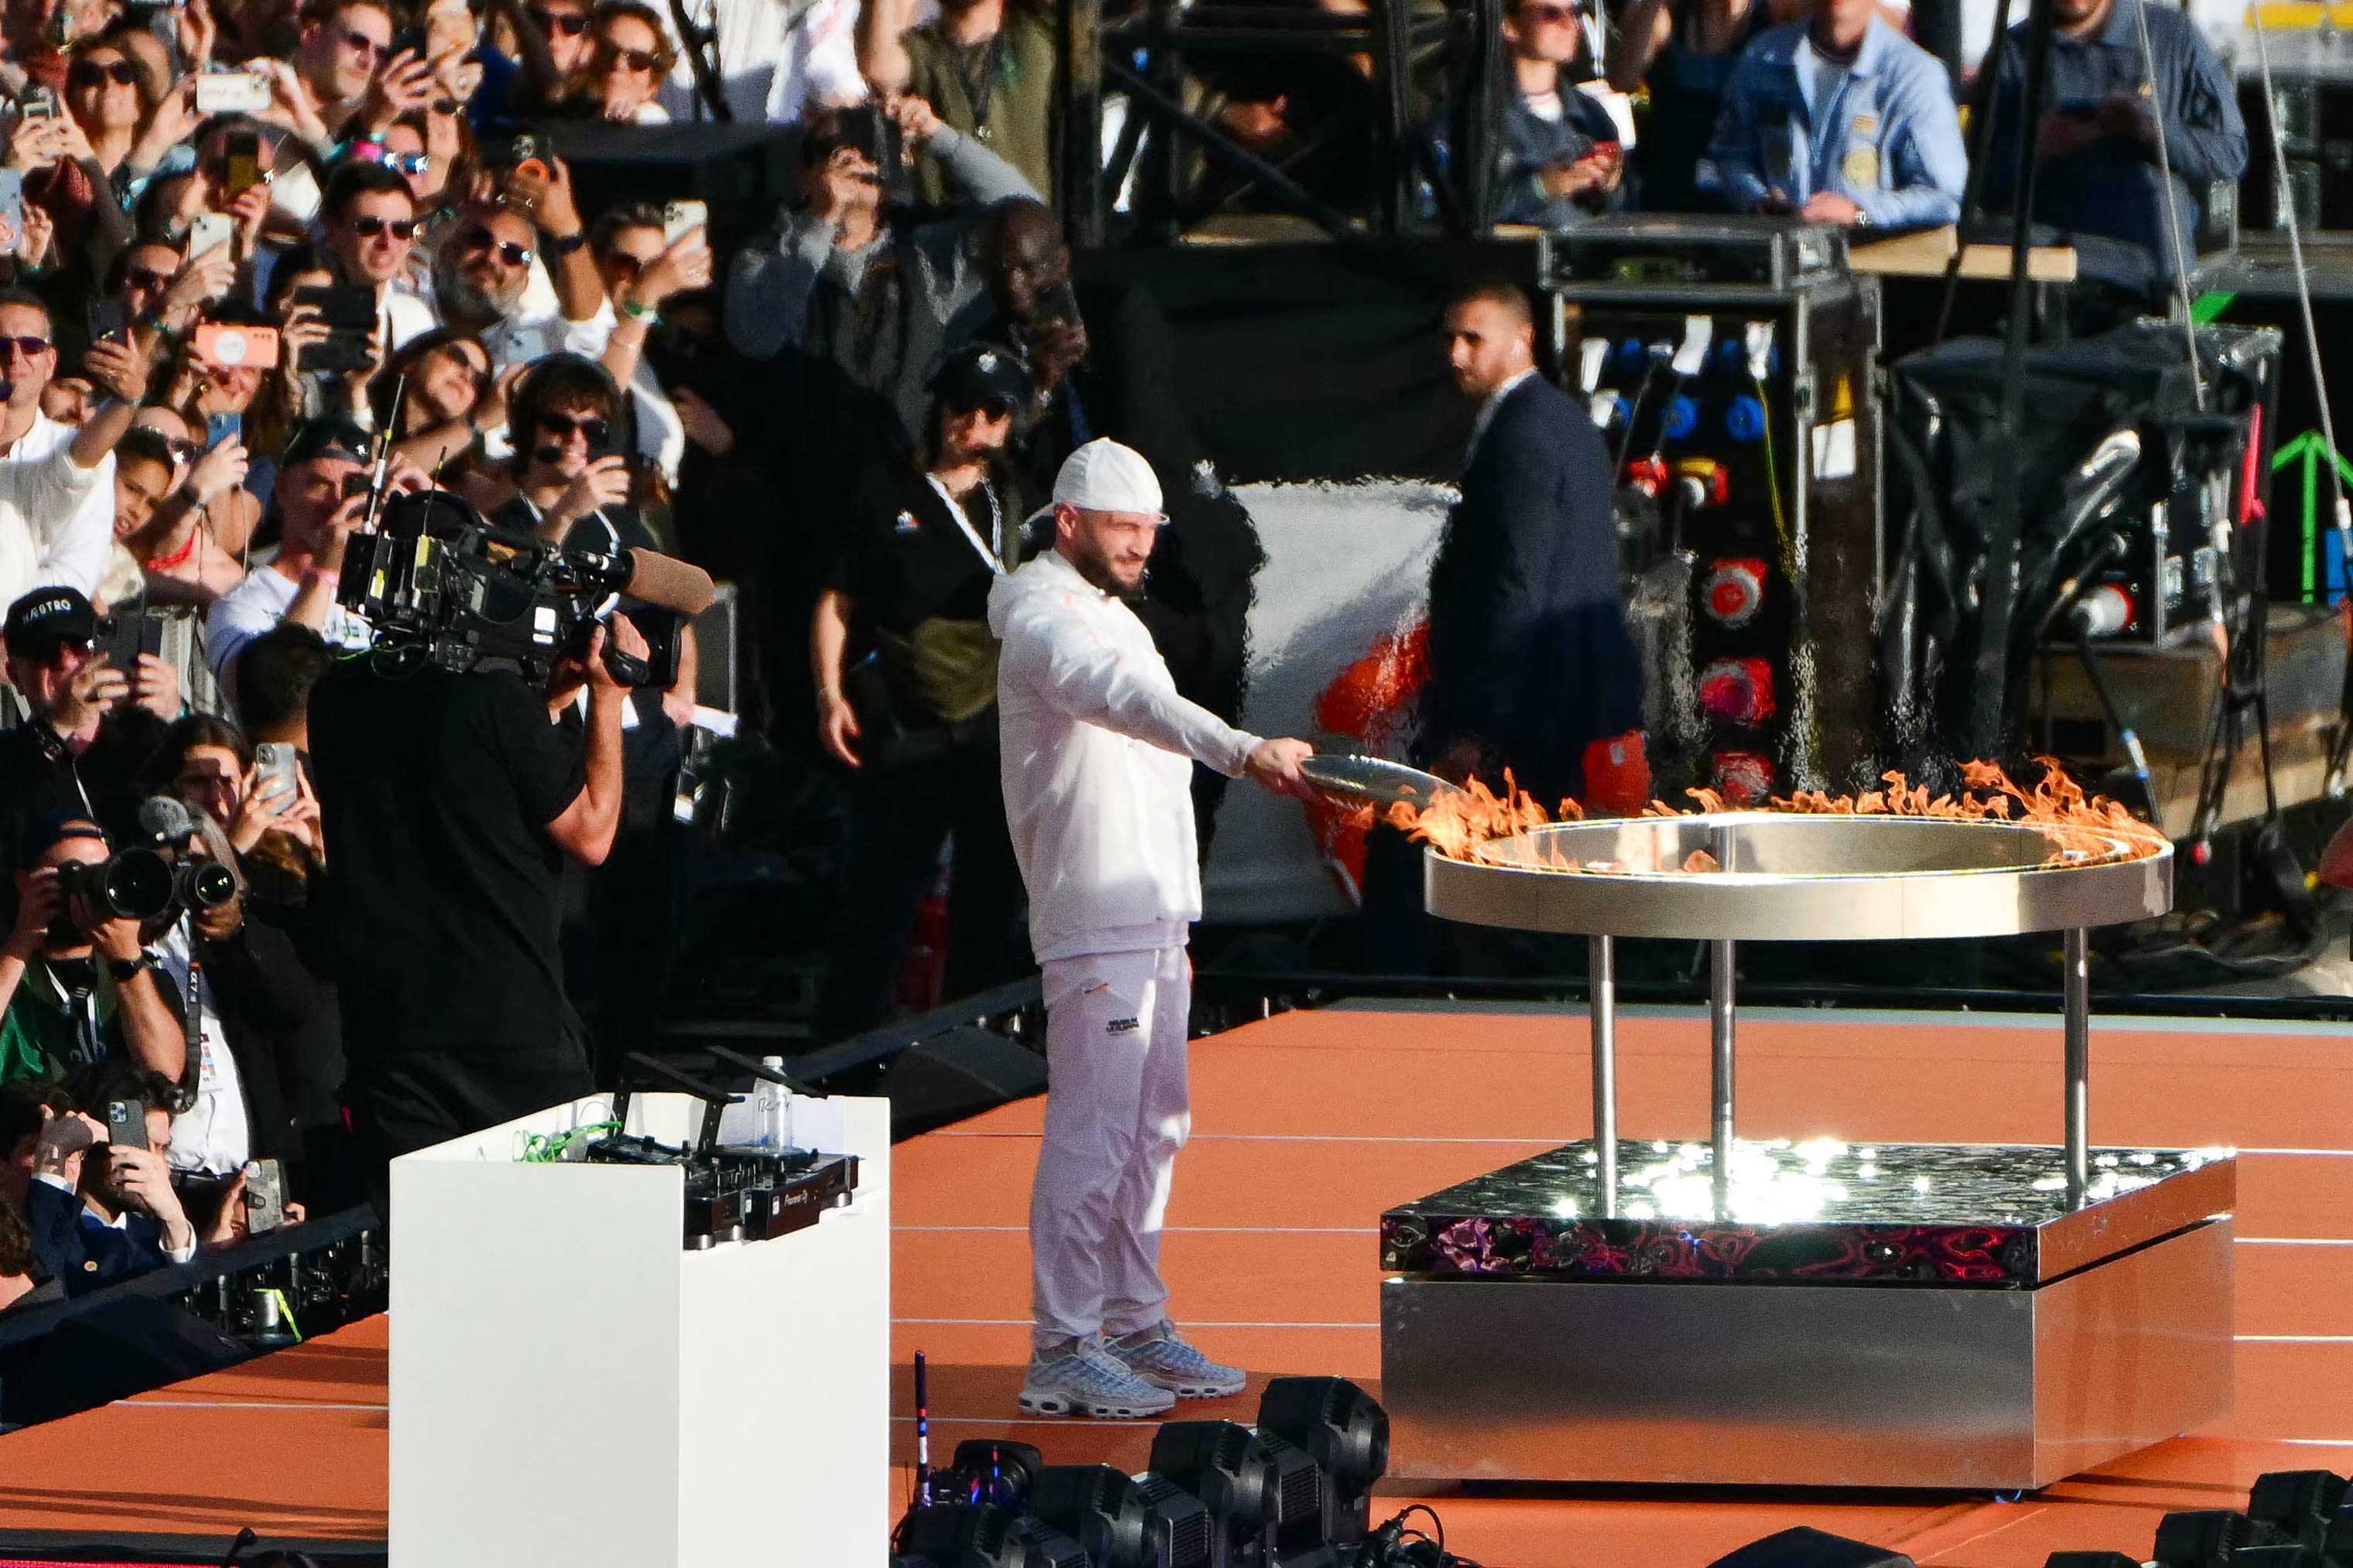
{"x":100,"y":1205}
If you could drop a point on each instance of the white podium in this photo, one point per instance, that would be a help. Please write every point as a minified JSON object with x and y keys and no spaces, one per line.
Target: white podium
{"x":569,"y":1385}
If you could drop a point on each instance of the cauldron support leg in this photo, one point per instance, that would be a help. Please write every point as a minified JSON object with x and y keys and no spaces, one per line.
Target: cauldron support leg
{"x":2076,"y":993}
{"x":1721,"y":955}
{"x":1602,"y":963}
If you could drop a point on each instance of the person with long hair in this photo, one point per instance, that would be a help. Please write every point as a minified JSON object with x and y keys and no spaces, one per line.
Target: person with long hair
{"x":448,"y":400}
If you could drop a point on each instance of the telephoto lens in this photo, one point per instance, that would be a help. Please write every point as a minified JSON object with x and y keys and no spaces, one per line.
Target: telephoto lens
{"x":134,"y":884}
{"x":202,"y":884}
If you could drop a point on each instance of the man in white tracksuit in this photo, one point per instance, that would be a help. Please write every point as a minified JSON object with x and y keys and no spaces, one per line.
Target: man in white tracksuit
{"x":1098,"y":759}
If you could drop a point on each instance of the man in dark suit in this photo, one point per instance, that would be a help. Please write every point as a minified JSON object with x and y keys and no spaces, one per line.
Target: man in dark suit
{"x":1530,"y":664}
{"x":100,"y":1212}
{"x":1529,"y":659}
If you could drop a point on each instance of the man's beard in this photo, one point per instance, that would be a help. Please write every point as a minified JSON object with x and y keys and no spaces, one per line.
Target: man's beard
{"x":460,"y":297}
{"x":1096,"y":568}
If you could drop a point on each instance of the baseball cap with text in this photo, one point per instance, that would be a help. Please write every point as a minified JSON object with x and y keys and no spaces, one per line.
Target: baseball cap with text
{"x":1103,"y":476}
{"x":45,"y":617}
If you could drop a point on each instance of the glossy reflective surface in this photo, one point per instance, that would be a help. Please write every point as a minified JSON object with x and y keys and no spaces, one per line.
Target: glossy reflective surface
{"x":1823,"y":1211}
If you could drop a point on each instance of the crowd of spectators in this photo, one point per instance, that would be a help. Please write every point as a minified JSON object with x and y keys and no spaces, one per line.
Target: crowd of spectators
{"x":249,"y":253}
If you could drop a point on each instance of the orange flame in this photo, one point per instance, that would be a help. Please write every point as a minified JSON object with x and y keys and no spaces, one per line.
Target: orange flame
{"x":2079,"y":827}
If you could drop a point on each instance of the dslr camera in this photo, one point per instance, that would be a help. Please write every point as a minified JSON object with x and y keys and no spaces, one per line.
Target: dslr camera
{"x":439,"y":581}
{"x":141,"y":884}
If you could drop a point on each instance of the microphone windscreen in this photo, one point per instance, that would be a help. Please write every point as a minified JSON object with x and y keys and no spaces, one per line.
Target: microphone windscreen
{"x":166,"y":820}
{"x":669,"y":584}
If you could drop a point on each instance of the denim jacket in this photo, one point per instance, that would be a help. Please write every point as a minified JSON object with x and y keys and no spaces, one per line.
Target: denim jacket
{"x":1888,"y":140}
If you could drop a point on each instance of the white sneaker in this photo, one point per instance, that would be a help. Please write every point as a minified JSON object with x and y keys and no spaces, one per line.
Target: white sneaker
{"x":1159,"y":1357}
{"x":1088,"y":1380}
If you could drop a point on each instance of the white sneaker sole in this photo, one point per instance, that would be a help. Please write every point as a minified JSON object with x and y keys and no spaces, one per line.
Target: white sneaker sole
{"x":1057,"y":1404}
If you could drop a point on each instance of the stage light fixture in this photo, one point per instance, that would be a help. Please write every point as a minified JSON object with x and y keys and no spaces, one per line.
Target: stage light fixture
{"x":2336,"y":1541}
{"x":1224,"y":1465}
{"x":988,"y":1470}
{"x":1803,"y":1547}
{"x":1300,"y":1507}
{"x":2298,"y":1504}
{"x":1098,"y":1507}
{"x":2090,"y":1560}
{"x":1346,"y":1433}
{"x":2279,"y":1554}
{"x":982,"y":1535}
{"x":2201,"y":1538}
{"x":1177,"y":1528}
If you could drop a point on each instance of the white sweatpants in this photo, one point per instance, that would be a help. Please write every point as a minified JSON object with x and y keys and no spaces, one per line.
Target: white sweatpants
{"x":1117,"y":1111}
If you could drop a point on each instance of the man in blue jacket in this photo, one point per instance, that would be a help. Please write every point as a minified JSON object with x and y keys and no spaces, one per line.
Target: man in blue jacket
{"x":100,"y":1212}
{"x":1841,"y":119}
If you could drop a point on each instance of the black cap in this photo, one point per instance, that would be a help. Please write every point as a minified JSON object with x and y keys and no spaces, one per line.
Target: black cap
{"x":981,"y":376}
{"x":326,"y":438}
{"x":55,"y":827}
{"x":45,"y":617}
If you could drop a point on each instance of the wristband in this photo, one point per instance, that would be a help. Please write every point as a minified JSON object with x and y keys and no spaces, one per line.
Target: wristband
{"x":565,"y":244}
{"x":636,"y":311}
{"x":126,"y":970}
{"x":190,"y":494}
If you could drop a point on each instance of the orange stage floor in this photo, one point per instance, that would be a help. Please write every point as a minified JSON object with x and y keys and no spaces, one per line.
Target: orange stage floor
{"x":1305,"y":1127}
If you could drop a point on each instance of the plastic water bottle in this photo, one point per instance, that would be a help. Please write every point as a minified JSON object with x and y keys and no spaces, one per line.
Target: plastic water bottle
{"x":776,"y":1109}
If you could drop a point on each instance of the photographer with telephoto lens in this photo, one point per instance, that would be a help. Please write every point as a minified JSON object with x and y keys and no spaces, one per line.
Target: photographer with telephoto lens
{"x":78,"y":987}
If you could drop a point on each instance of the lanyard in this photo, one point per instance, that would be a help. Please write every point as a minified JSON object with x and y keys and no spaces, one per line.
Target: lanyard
{"x":994,"y":556}
{"x":981,"y":94}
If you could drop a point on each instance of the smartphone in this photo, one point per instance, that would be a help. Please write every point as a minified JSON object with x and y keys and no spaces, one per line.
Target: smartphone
{"x":126,"y":1123}
{"x":123,"y":637}
{"x":681,"y":218}
{"x":265,"y":1196}
{"x":40,"y":103}
{"x":209,"y":232}
{"x":276,"y":761}
{"x":344,"y":305}
{"x":232,"y":92}
{"x":411,"y":39}
{"x":241,"y":162}
{"x":522,"y":156}
{"x":220,"y":427}
{"x":12,"y":206}
{"x":106,"y":318}
{"x":254,"y":348}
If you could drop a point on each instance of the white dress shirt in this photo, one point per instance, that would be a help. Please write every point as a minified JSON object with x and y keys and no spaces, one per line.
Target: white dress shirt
{"x":74,"y":554}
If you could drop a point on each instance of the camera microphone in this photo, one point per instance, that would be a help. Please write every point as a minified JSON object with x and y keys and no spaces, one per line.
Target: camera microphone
{"x":166,"y":820}
{"x":669,"y":584}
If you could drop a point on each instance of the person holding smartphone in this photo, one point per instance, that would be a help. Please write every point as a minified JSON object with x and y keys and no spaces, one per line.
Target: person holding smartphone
{"x":99,"y":1210}
{"x":1561,"y":157}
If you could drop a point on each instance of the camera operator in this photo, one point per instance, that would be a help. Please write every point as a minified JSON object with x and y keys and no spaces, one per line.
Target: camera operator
{"x":317,"y":520}
{"x":75,"y":984}
{"x":100,"y":1212}
{"x":451,"y":803}
{"x":271,"y":1038}
{"x":90,"y":725}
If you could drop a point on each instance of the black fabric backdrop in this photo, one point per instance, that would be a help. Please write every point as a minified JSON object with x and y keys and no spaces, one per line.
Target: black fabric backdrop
{"x":1317,"y":360}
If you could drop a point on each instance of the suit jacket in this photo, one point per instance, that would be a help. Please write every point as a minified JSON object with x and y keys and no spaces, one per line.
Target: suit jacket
{"x":1529,"y":656}
{"x":78,"y":1252}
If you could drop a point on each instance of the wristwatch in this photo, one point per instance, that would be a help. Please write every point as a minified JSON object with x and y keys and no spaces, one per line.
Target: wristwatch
{"x":565,"y":244}
{"x":125,"y":969}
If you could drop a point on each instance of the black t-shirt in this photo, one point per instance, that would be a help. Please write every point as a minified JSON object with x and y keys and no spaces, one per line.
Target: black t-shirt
{"x":444,"y":891}
{"x":906,"y":562}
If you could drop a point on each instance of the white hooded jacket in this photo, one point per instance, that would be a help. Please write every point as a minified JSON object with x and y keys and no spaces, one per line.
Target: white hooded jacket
{"x":1098,"y":751}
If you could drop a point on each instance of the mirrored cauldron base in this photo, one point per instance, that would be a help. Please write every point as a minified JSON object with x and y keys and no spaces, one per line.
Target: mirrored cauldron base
{"x":1898,"y":1315}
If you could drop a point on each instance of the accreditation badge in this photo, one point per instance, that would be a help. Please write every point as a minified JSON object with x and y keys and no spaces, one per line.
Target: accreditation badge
{"x":1860,"y":167}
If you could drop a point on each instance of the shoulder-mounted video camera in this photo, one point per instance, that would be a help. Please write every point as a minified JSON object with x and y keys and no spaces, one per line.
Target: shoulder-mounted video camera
{"x":433,"y":574}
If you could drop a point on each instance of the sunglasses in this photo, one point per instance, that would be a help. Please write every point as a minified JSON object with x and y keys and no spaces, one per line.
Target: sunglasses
{"x":993,"y":407}
{"x":638,"y":60}
{"x":90,"y":73}
{"x":571,"y":23}
{"x":448,"y":106}
{"x":24,"y":348}
{"x":146,"y":279}
{"x":361,"y":44}
{"x":597,"y":429}
{"x":368,"y":225}
{"x":481,"y":239}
